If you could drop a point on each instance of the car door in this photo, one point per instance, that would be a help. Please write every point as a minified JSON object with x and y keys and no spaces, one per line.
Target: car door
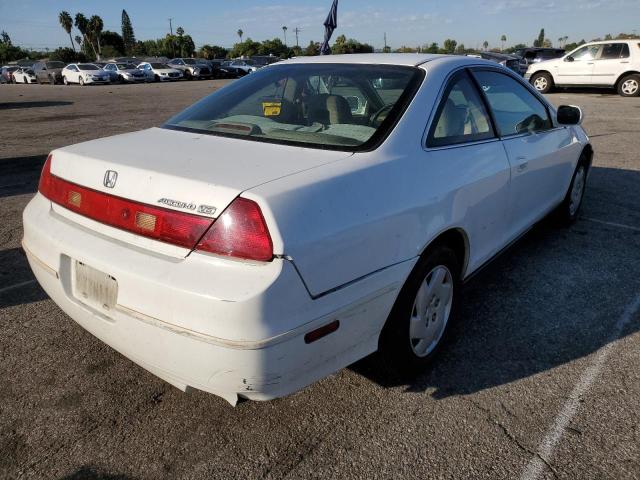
{"x":466,"y":157}
{"x":577,"y":68}
{"x":612,"y":61}
{"x":540,"y":153}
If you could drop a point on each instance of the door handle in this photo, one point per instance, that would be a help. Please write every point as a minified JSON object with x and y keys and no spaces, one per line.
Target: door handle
{"x":589,"y":63}
{"x":625,"y":61}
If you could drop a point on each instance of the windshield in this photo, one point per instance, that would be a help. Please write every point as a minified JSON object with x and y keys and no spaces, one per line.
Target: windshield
{"x":55,"y":65}
{"x":190,"y":61}
{"x":87,"y":66}
{"x":159,"y":65}
{"x":333,"y":106}
{"x":125,"y":66}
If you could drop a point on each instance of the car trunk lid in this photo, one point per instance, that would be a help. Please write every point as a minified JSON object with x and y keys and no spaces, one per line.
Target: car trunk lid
{"x":181,"y":171}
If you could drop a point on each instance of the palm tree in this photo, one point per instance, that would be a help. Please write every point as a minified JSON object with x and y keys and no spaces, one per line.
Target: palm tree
{"x":284,"y":29}
{"x":79,"y":41}
{"x":485,"y":44}
{"x":240,"y":33}
{"x":95,"y":26}
{"x":67,"y":23}
{"x":503,"y":39}
{"x":82,"y":24}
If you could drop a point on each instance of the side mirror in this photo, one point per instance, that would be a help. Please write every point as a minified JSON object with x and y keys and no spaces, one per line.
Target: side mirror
{"x":569,"y":59}
{"x":569,"y":115}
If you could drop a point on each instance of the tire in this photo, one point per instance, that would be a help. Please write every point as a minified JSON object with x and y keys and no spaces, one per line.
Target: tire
{"x":542,"y":82}
{"x":629,"y":86}
{"x":81,"y":82}
{"x":415,"y":330}
{"x":65,"y":81}
{"x":568,"y":211}
{"x":156,"y":78}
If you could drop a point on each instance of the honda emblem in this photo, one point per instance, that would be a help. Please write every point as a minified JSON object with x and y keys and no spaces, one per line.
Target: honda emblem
{"x":110,"y":178}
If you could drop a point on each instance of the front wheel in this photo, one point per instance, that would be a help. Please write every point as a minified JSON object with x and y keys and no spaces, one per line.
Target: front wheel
{"x":65,"y":81}
{"x":629,"y":86}
{"x":569,"y":209}
{"x":81,"y":82}
{"x":423,"y":312}
{"x":542,"y":82}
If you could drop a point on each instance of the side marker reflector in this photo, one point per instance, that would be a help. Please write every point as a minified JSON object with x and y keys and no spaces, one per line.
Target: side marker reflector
{"x":323,"y":331}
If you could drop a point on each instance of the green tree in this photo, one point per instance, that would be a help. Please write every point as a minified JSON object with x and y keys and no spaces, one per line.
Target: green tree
{"x":312,"y":49}
{"x":212,"y":51}
{"x":460,"y":50}
{"x":274,"y":47}
{"x":539,"y":42}
{"x":503,"y":39}
{"x":67,"y":55}
{"x":248,"y":48}
{"x":96,"y":25}
{"x":67,"y":24}
{"x":112,"y":44}
{"x":405,"y":49}
{"x":343,"y":45}
{"x":433,"y":48}
{"x":128,"y":37}
{"x":284,"y":30}
{"x":450,"y":45}
{"x":82,"y":24}
{"x":485,"y":44}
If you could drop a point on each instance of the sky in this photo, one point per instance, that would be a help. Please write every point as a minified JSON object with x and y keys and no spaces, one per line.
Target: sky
{"x":34,"y":23}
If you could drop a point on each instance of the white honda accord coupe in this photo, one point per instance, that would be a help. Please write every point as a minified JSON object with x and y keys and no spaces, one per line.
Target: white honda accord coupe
{"x":303,"y":217}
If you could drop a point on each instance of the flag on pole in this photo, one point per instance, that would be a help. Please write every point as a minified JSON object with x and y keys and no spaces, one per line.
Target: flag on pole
{"x":330,"y":25}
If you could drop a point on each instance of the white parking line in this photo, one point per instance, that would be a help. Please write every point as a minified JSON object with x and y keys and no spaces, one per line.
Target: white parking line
{"x":17,"y":285}
{"x":547,"y":446}
{"x":612,"y":224}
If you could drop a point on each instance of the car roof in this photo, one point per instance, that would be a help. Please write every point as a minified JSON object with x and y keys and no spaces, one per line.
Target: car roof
{"x":407,"y":59}
{"x":626,"y":40}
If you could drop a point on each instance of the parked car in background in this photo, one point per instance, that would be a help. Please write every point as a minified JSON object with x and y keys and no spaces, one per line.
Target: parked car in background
{"x":244,"y":248}
{"x":24,"y":75}
{"x":191,"y":68}
{"x":606,"y":64}
{"x":84,"y":74}
{"x":264,"y":60}
{"x":125,"y":72}
{"x":48,"y":72}
{"x":231,"y":71}
{"x":531,"y":55}
{"x":249,"y":66}
{"x":6,"y":74}
{"x":159,"y":72}
{"x":510,"y":61}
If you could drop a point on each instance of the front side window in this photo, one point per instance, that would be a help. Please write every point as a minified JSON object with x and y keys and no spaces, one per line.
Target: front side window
{"x":586,"y":53}
{"x":331,"y":106}
{"x":515,"y":109}
{"x":614,"y":51}
{"x":461,"y":117}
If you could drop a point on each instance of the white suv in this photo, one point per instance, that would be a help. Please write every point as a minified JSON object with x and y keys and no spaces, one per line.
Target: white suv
{"x":608,"y":64}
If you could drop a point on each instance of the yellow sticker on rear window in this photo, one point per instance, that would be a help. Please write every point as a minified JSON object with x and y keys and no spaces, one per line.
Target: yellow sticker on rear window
{"x":271,"y":109}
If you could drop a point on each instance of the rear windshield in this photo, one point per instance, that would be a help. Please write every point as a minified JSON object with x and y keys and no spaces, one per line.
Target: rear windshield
{"x":190,"y":61}
{"x":125,"y":66}
{"x":87,"y":66}
{"x":55,"y":65}
{"x":332,"y":106}
{"x":159,"y":65}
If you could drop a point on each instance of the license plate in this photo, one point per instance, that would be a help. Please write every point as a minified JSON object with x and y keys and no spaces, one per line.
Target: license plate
{"x":94,"y":288}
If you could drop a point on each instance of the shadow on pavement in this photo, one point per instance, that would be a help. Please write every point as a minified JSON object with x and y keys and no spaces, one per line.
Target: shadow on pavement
{"x":90,"y":473}
{"x":551,"y":299}
{"x":40,"y":104}
{"x":15,"y":270}
{"x":20,"y":175}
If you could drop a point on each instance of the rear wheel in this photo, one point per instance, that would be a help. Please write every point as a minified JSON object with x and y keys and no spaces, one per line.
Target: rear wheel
{"x":629,"y":86}
{"x":542,"y":82}
{"x":423,"y":312}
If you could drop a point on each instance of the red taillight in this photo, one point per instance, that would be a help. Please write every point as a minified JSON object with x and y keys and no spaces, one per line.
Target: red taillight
{"x":177,"y":228}
{"x":240,"y":231}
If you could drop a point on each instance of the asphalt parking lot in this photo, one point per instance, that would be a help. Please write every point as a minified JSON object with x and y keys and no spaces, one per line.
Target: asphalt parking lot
{"x":541,"y":379}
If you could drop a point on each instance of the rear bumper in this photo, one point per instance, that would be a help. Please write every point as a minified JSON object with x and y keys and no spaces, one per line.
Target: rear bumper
{"x":184,"y":320}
